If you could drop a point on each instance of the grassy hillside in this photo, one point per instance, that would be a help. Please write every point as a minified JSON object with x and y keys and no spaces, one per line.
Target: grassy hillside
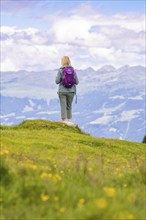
{"x":52,"y":171}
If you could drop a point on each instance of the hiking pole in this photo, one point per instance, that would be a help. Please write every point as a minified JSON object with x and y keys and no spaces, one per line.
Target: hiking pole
{"x":76,"y":99}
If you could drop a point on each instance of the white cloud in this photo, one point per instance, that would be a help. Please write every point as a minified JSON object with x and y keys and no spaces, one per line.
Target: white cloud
{"x":117,"y":97}
{"x":8,"y":115}
{"x":22,"y":49}
{"x":67,"y":30}
{"x":102,"y":120}
{"x":90,"y":39}
{"x":109,"y":110}
{"x":48,"y":113}
{"x":20,"y":117}
{"x":136,"y":98}
{"x":129,"y":115}
{"x":112,"y":129}
{"x":27,"y":109}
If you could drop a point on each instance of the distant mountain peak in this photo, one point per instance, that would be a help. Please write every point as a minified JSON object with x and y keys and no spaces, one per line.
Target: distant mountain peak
{"x":89,"y":69}
{"x":107,"y":68}
{"x":127,"y":67}
{"x":124,"y":68}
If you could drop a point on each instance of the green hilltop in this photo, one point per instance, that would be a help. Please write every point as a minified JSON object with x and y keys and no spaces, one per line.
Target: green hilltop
{"x":52,"y":171}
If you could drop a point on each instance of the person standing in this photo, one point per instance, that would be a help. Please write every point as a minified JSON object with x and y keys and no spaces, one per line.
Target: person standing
{"x":67,"y":80}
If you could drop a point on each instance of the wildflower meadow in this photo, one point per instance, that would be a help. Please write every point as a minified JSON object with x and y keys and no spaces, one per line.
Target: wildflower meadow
{"x":52,"y":171}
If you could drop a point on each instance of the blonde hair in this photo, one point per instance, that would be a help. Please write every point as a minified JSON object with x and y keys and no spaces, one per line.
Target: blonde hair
{"x":65,"y":61}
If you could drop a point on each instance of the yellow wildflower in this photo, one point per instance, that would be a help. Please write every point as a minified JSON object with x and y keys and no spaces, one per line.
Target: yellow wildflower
{"x":124,"y":215}
{"x":130,"y":216}
{"x":43,"y":175}
{"x":57,"y":177}
{"x":44,"y":197}
{"x":110,"y":191}
{"x":56,"y":198}
{"x":90,"y":169}
{"x":120,"y":174}
{"x":55,"y":165}
{"x":62,"y":209}
{"x":4,"y":152}
{"x":81,"y":202}
{"x":31,"y":166}
{"x":101,"y":203}
{"x":50,"y":175}
{"x":1,"y":153}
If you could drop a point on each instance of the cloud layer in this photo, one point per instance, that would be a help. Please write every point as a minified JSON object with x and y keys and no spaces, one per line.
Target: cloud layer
{"x":89,"y":38}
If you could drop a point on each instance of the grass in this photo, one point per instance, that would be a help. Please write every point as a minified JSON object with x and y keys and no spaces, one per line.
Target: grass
{"x":52,"y":171}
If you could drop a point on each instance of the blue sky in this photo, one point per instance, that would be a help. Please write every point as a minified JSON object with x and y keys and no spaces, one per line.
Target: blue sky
{"x":89,"y":30}
{"x":26,"y":13}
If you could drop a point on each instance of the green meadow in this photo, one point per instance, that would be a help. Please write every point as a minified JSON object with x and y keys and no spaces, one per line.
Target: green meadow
{"x":52,"y":171}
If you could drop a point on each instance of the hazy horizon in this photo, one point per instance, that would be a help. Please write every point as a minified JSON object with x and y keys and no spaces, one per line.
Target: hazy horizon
{"x":89,"y":67}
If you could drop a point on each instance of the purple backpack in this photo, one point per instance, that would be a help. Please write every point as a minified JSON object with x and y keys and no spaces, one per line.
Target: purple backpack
{"x":68,"y":77}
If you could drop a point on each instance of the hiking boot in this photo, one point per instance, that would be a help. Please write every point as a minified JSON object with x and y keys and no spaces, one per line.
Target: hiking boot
{"x":69,"y":123}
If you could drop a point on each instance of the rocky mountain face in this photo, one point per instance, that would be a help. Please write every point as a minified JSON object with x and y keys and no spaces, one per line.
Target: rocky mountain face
{"x":111,"y":102}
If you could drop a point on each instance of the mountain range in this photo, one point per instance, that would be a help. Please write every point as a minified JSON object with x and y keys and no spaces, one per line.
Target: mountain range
{"x":110,"y":101}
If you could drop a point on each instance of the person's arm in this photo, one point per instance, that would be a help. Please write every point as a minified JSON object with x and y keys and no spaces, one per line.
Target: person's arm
{"x":58,"y":77}
{"x":77,"y":80}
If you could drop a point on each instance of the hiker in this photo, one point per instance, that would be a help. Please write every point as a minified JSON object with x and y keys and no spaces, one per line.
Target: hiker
{"x":67,"y":80}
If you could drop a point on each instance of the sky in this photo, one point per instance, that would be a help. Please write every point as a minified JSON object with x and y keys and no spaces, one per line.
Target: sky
{"x":35,"y":34}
